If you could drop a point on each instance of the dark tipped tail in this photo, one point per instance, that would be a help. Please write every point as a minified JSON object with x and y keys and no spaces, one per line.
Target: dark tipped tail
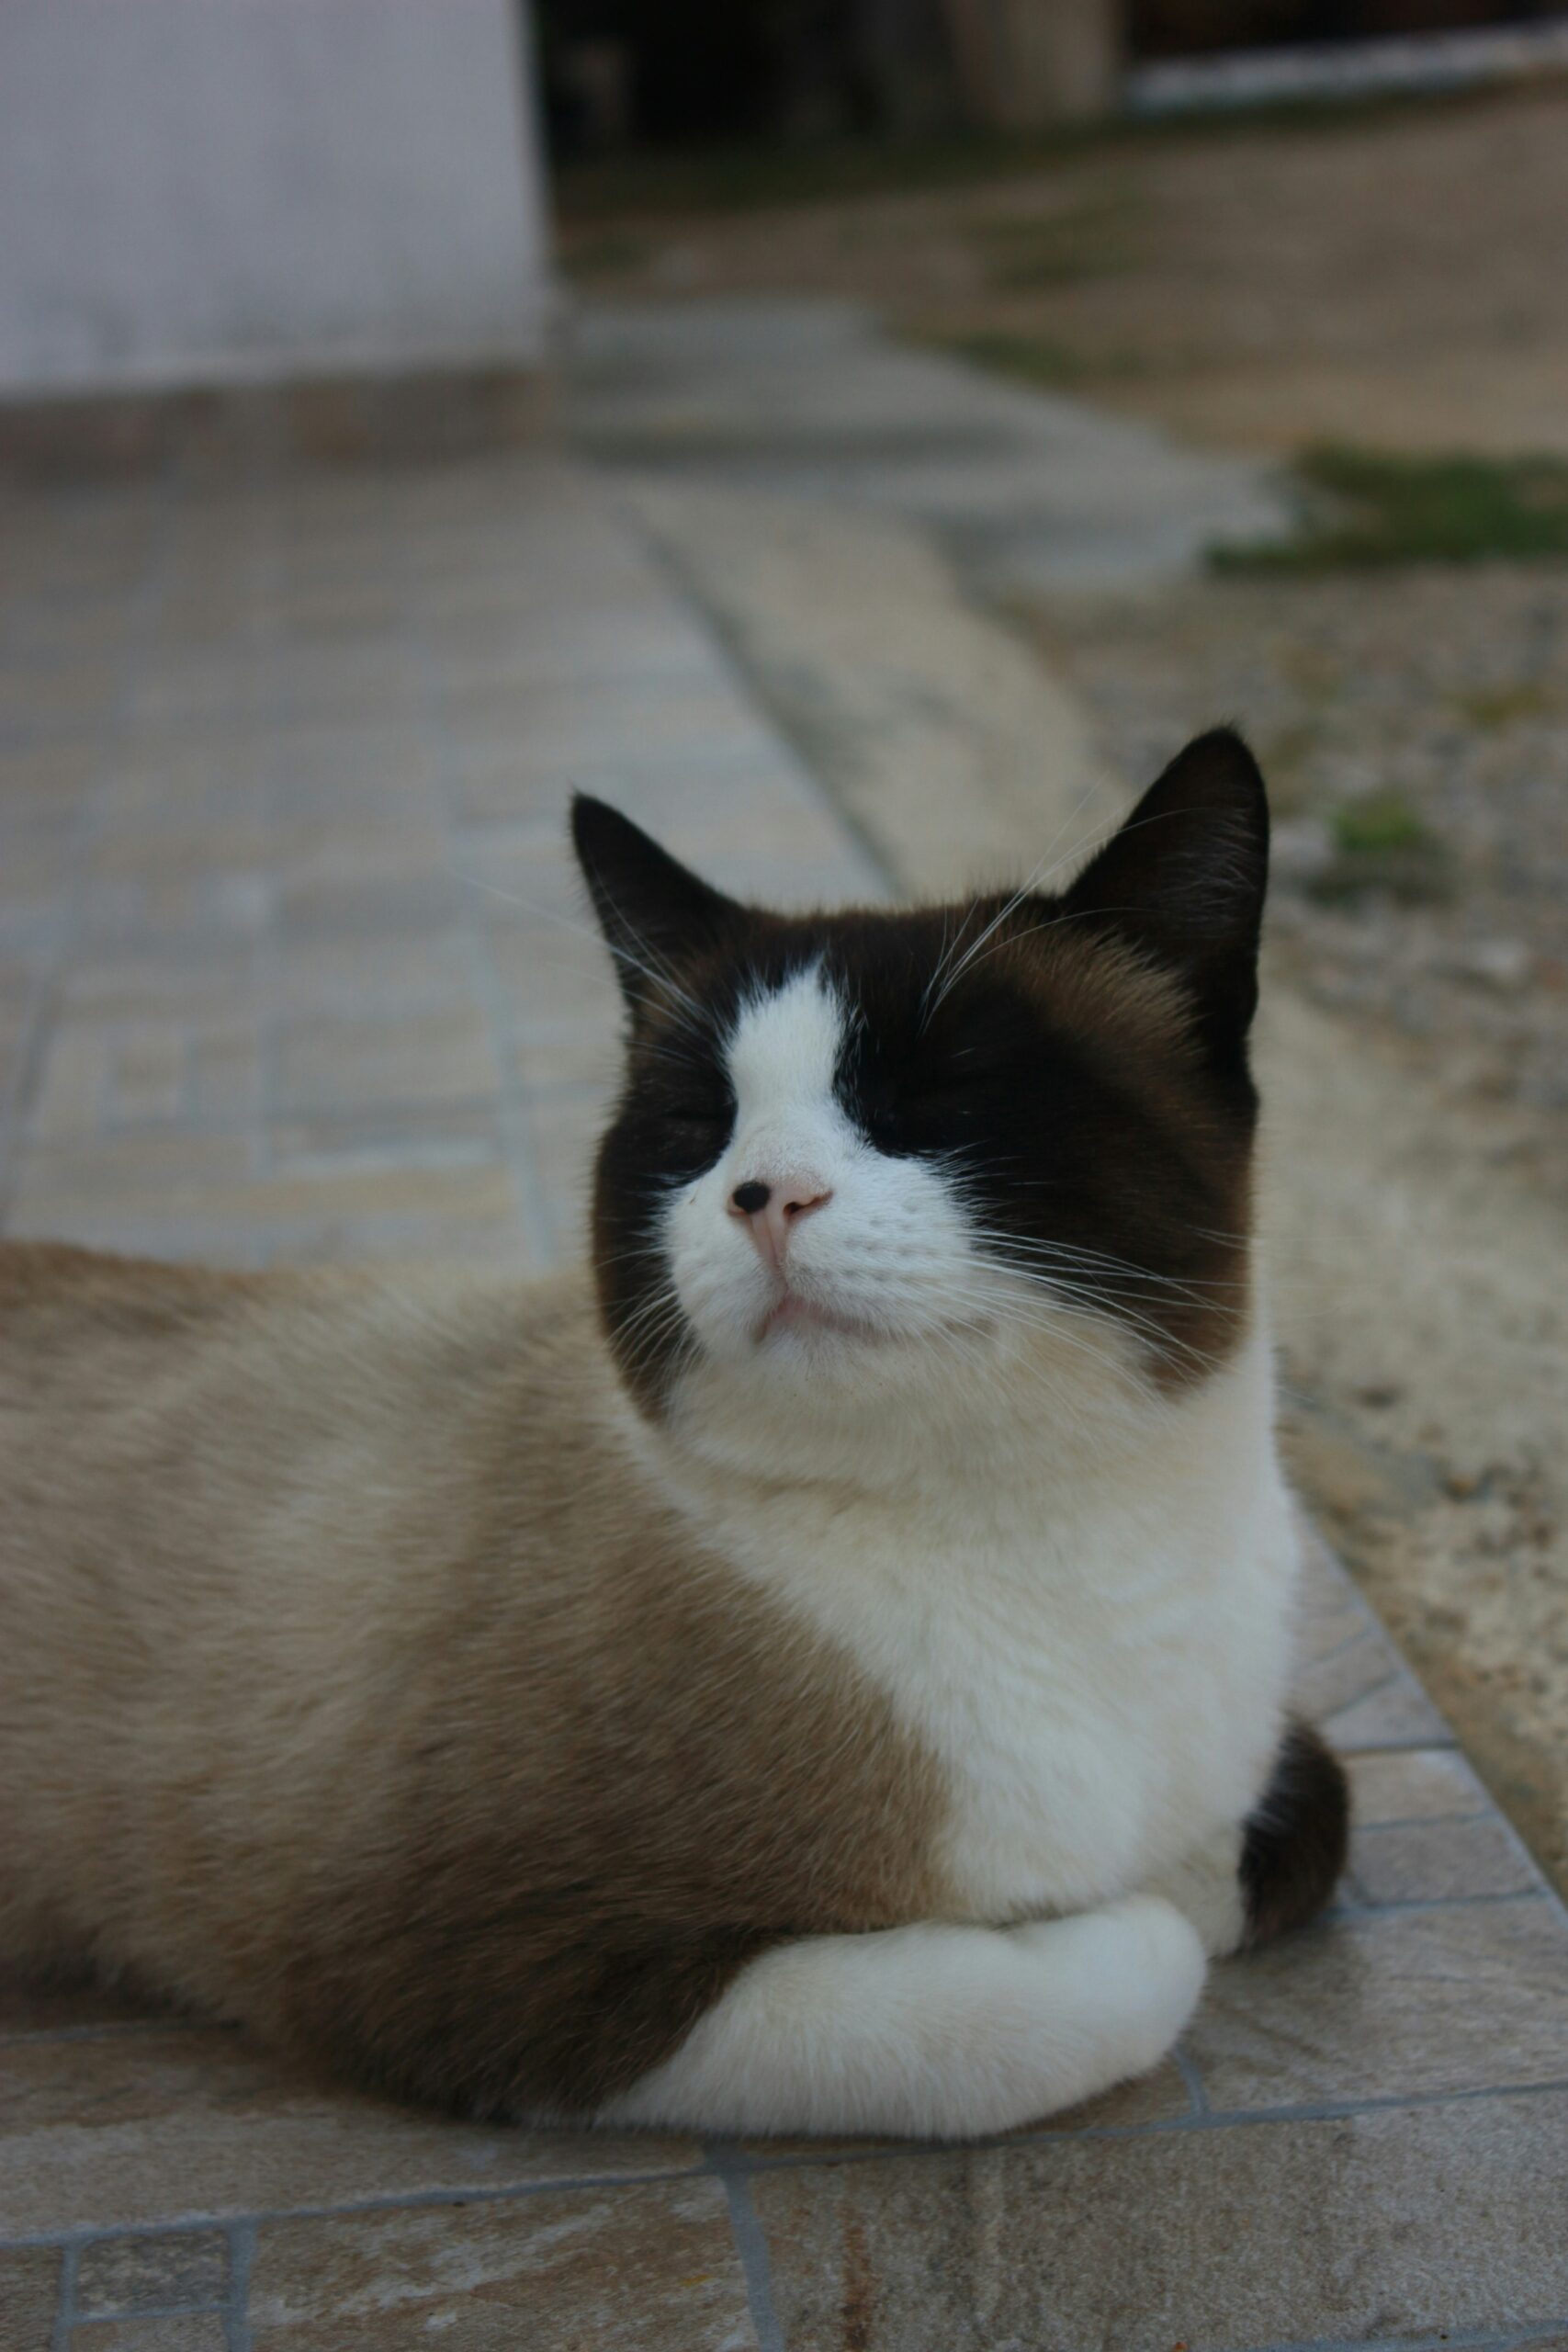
{"x":1297,"y":1838}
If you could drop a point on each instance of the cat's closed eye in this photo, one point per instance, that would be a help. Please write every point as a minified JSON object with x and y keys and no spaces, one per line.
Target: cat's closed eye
{"x":697,"y":1123}
{"x":957,"y":1083}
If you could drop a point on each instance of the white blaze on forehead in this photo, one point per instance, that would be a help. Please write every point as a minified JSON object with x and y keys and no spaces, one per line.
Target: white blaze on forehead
{"x":783,"y":1051}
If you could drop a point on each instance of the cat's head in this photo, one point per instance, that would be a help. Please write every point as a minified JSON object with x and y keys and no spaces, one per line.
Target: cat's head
{"x":854,"y":1152}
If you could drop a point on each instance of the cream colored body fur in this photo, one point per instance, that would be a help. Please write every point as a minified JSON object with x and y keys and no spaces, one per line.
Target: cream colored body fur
{"x":1094,"y":1653}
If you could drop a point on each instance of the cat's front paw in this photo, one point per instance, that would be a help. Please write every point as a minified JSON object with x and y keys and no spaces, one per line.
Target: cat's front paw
{"x":1137,"y":1968}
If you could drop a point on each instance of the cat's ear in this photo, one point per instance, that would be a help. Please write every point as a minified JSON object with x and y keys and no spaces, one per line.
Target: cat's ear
{"x":1184,"y":879}
{"x":654,"y":913}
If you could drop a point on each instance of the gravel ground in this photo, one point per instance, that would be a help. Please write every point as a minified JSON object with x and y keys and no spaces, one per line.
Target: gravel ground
{"x":1431,"y":706}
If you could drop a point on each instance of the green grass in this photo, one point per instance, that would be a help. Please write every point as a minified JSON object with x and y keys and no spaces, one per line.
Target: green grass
{"x":1359,"y":509}
{"x":1381,"y":844}
{"x":1376,"y":825}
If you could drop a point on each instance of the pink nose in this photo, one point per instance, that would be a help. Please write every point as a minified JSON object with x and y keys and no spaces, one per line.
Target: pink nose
{"x":771,"y":1212}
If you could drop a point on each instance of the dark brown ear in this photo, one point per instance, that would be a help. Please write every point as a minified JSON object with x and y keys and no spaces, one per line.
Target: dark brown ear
{"x":654,"y":913}
{"x":1184,"y":880}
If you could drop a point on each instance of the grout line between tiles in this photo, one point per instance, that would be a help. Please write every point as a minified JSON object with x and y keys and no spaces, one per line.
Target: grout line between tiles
{"x":1424,"y":1821}
{"x":242,"y":2238}
{"x":750,"y":2243}
{"x":1422,"y":1743}
{"x":669,"y":567}
{"x":1187,"y":2067}
{"x":1464,"y":2339}
{"x":829,"y":2157}
{"x":65,"y":2305}
{"x":146,"y":2311}
{"x":1404,"y":1905}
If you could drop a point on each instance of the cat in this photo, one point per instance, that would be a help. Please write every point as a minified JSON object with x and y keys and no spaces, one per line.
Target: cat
{"x":820,"y":1670}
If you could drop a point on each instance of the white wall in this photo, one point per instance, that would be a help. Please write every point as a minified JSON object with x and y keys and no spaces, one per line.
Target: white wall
{"x":204,"y":190}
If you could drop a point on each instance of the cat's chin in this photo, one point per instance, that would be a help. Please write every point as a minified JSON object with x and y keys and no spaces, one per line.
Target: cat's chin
{"x":793,"y":1319}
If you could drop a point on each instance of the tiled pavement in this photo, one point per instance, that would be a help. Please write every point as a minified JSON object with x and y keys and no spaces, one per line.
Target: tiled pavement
{"x":282,"y":772}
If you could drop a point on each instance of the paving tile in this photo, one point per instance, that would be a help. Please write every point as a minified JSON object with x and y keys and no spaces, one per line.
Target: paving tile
{"x":548,"y":973}
{"x":1379,"y":2226}
{"x":336,"y":1063}
{"x":191,"y":2125}
{"x":369,"y":848}
{"x":367,"y":974}
{"x":148,"y":1077}
{"x":563,"y":1131}
{"x":493,"y":1242}
{"x":1454,"y":1998}
{"x":29,"y":2297}
{"x":418,"y":901}
{"x":15,"y":1026}
{"x":348,"y":767}
{"x":135,"y":979}
{"x":162,"y":2332}
{"x":632,"y":640}
{"x":398,"y":1207}
{"x":1396,"y":1714}
{"x":71,"y":1086}
{"x":116,"y":2277}
{"x":47,"y":780}
{"x":65,"y":1181}
{"x":194,"y":846}
{"x":368,"y":1142}
{"x":173,"y":910}
{"x":35,"y":866}
{"x":584,"y":1053}
{"x":645,"y":2268}
{"x":153,"y":791}
{"x":1326,"y":1685}
{"x":1160,"y":2097}
{"x":1436,"y":1862}
{"x":1415,"y":1784}
{"x":224,"y":1076}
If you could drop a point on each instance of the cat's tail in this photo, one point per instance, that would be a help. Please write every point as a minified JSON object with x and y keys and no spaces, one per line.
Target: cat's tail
{"x":931,"y":2031}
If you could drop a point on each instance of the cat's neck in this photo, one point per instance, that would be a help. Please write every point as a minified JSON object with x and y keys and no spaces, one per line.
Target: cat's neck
{"x":1063,"y":1421}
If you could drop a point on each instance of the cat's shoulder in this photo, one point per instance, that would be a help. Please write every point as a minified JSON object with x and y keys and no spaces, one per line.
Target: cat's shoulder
{"x":75,"y":1315}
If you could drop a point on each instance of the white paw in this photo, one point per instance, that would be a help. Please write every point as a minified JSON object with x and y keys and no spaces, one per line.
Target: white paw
{"x":1136,"y":1968}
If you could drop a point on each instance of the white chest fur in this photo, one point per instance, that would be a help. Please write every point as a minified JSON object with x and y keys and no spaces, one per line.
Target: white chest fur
{"x":1092,"y":1639}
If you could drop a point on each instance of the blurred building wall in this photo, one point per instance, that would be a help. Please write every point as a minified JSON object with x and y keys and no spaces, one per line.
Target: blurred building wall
{"x":1022,"y":64}
{"x":214,"y":190}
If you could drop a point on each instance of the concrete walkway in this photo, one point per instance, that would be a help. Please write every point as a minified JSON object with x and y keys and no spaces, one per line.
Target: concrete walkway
{"x":1028,"y":490}
{"x":284,"y":972}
